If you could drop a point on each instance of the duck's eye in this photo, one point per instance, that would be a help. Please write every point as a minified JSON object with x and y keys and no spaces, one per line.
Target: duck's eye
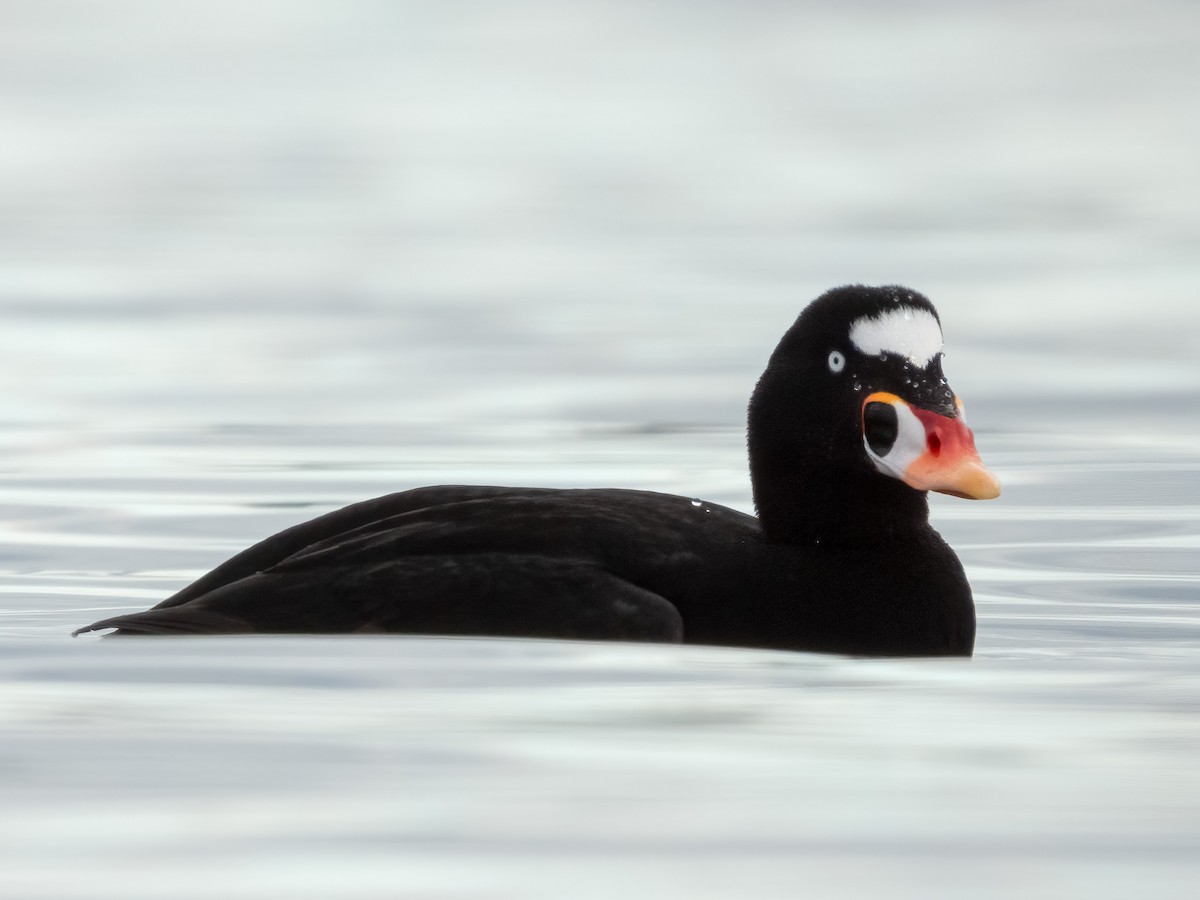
{"x":837,"y":361}
{"x":880,"y":427}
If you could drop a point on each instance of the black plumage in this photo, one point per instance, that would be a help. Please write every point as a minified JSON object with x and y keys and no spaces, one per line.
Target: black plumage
{"x":840,"y":558}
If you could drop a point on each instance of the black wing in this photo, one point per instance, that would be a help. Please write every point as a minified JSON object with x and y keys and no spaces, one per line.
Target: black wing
{"x":591,"y":564}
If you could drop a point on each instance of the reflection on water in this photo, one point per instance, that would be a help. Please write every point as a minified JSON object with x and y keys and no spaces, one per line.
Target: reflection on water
{"x":500,"y":767}
{"x":260,"y":261}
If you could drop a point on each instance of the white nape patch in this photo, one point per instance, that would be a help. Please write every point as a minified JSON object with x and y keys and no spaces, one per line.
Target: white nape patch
{"x":905,"y":331}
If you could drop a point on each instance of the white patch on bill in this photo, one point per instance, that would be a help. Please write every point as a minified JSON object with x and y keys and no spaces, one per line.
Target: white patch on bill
{"x":905,"y":331}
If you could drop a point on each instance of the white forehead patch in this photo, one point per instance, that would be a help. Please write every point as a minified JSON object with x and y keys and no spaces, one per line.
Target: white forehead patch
{"x":906,"y":331}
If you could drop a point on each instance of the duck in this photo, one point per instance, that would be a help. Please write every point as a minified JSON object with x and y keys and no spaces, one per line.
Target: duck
{"x":850,"y":426}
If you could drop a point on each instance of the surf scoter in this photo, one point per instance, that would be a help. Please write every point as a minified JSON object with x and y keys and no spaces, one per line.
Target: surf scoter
{"x":850,"y":425}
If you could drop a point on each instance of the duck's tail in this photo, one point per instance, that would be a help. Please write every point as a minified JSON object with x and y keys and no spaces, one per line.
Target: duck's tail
{"x":170,"y":620}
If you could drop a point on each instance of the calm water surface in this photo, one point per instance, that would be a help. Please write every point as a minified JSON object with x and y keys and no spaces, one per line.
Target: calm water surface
{"x":254,"y":272}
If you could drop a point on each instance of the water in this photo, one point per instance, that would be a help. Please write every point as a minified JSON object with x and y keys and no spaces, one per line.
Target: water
{"x":259,"y":262}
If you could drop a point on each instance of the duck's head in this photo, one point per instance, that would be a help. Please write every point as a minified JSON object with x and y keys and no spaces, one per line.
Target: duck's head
{"x":855,"y":396}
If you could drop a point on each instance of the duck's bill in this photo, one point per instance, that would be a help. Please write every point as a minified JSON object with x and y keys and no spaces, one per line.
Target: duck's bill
{"x":924,"y":449}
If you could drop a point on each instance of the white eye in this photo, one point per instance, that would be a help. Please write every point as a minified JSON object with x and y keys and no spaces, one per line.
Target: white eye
{"x":837,"y":362}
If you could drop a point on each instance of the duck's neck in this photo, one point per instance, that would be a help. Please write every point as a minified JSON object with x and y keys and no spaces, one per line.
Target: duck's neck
{"x":811,"y":505}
